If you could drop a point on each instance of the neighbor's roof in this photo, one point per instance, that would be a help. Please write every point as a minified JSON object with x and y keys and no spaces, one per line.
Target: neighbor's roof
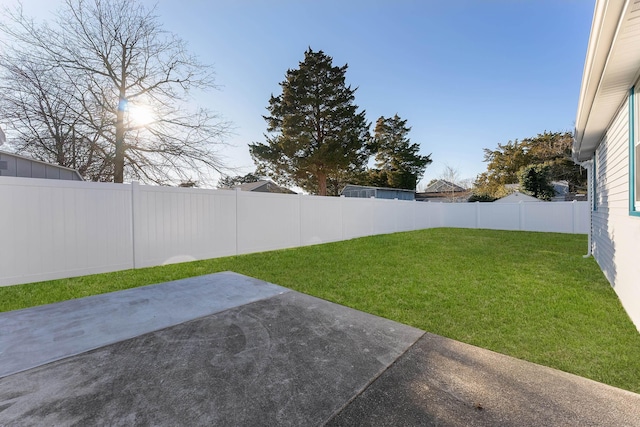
{"x":516,"y":197}
{"x":250,"y":186}
{"x":610,"y":70}
{"x":441,"y":186}
{"x":265,"y":186}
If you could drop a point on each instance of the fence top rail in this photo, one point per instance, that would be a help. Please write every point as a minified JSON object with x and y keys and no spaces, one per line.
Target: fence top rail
{"x":545,"y":203}
{"x":60,"y":183}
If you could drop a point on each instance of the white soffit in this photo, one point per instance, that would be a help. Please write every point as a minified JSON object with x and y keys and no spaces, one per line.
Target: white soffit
{"x":611,"y":67}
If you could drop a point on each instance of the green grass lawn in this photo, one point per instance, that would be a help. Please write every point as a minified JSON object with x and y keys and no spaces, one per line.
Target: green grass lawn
{"x":529,"y":295}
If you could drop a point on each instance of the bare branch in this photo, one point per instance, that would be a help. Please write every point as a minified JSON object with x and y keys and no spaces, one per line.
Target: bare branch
{"x":68,"y":89}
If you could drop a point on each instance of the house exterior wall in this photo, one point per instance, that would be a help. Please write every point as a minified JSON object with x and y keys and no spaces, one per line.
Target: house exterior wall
{"x":385,"y":193}
{"x":616,"y":234}
{"x":378,"y":193}
{"x":18,"y":166}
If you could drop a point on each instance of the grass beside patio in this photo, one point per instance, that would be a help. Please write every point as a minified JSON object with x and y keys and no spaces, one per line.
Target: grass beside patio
{"x":529,"y":295}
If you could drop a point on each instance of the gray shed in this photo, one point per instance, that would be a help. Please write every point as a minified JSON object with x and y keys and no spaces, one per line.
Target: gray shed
{"x":24,"y":167}
{"x":377,"y":192}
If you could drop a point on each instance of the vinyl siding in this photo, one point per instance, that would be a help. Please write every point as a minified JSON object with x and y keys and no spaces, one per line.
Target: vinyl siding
{"x":616,"y":234}
{"x":18,"y":166}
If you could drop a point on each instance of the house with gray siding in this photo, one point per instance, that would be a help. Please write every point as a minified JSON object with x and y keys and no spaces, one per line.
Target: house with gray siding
{"x":607,"y":142}
{"x":441,"y":190}
{"x":24,"y":167}
{"x":366,"y":192}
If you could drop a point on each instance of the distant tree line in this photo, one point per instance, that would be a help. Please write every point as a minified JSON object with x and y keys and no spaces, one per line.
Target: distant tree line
{"x":533,"y":163}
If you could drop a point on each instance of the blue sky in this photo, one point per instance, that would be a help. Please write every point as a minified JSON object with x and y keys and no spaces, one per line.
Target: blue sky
{"x":467,"y":75}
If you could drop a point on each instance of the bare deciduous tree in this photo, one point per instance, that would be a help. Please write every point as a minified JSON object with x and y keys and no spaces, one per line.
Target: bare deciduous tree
{"x":118,"y":88}
{"x":452,"y":176}
{"x":43,"y":112}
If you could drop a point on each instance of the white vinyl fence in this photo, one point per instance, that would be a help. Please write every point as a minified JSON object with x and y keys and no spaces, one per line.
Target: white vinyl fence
{"x":52,"y":229}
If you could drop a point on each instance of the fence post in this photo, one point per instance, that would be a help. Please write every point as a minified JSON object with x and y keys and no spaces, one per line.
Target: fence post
{"x":342,"y":198}
{"x":520,"y":215}
{"x":477,"y":214}
{"x":372,"y":217}
{"x":396,"y":215}
{"x":300,"y":219}
{"x":573,"y":217}
{"x":237,"y":194}
{"x":135,"y":223}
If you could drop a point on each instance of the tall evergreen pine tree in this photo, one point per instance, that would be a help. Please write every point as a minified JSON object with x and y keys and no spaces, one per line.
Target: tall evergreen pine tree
{"x":398,"y":164}
{"x":315,"y":133}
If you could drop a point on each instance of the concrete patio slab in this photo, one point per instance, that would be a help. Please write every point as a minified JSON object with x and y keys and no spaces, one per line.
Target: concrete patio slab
{"x":239,"y":351}
{"x":42,"y":334}
{"x":442,"y":382}
{"x":289,"y":360}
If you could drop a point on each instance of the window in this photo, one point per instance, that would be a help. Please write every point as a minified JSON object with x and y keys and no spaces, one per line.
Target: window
{"x":634,"y":154}
{"x":594,"y":182}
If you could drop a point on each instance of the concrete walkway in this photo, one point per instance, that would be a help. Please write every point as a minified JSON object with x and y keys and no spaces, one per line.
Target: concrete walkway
{"x":225,"y":349}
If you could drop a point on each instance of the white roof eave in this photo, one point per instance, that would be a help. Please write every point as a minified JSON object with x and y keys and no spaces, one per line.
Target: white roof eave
{"x":611,"y":67}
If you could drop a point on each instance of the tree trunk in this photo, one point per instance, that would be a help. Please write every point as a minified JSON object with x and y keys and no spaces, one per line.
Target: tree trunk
{"x":118,"y":161}
{"x":322,"y":184}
